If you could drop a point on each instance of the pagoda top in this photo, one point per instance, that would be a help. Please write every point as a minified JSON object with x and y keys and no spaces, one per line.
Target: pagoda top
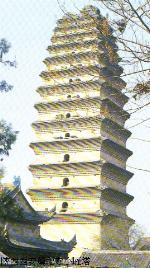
{"x":90,"y":9}
{"x":88,"y":12}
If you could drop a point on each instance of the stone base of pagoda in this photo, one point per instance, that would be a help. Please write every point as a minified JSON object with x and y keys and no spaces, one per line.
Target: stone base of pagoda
{"x":104,"y":232}
{"x":117,"y":258}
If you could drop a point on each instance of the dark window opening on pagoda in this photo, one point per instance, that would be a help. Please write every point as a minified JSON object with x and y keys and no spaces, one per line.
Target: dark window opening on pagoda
{"x":70,"y":80}
{"x":64,"y":207}
{"x":67,"y":135}
{"x":66,"y":157}
{"x":68,"y":115}
{"x":65,"y":182}
{"x":69,"y":97}
{"x":78,"y":96}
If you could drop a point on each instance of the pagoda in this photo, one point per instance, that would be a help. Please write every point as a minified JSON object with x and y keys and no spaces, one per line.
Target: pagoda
{"x":80,"y":150}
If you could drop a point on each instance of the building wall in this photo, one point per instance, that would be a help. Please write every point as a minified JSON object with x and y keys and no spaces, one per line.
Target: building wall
{"x":74,"y":205}
{"x":81,"y":181}
{"x":74,"y":95}
{"x":56,"y":232}
{"x":75,"y":157}
{"x":57,"y":181}
{"x":60,"y":134}
{"x":61,"y":114}
{"x":114,"y":233}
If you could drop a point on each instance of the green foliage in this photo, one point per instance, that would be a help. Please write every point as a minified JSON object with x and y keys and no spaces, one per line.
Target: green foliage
{"x":1,"y":172}
{"x":5,"y":87}
{"x":7,"y":137}
{"x":126,"y":265}
{"x":9,"y":210}
{"x":4,"y":47}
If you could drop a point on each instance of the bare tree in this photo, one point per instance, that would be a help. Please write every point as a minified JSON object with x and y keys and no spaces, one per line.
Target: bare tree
{"x":132,"y":30}
{"x":136,"y":233}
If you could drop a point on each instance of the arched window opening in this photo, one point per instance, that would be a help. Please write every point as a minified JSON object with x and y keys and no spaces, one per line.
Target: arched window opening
{"x":69,"y":97}
{"x":68,"y":115}
{"x":65,"y":182}
{"x":64,"y":207}
{"x":78,"y":96}
{"x":66,"y":157}
{"x":70,"y":80}
{"x":67,"y":135}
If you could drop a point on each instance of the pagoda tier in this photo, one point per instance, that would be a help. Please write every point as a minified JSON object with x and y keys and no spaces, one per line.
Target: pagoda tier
{"x":84,"y":107}
{"x":83,"y":24}
{"x":87,"y":88}
{"x":102,"y":200}
{"x":69,"y":59}
{"x":77,"y":37}
{"x":102,"y":191}
{"x":96,"y":144}
{"x":88,"y":218}
{"x":81,"y":168}
{"x":80,"y":152}
{"x":90,"y":71}
{"x":106,"y":128}
{"x":105,"y":149}
{"x":76,"y":47}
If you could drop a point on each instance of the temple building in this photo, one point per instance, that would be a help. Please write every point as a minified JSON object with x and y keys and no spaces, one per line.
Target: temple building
{"x":20,"y":229}
{"x":80,"y":149}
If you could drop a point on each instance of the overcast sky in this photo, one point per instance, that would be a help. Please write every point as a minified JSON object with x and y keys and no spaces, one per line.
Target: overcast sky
{"x":28,"y":25}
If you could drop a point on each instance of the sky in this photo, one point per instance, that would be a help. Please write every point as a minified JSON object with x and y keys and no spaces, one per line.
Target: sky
{"x":28,"y":25}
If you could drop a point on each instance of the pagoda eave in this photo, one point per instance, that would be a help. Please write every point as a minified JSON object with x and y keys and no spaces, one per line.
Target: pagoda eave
{"x":78,"y":87}
{"x":97,"y":144}
{"x":102,"y":192}
{"x":75,"y":58}
{"x":107,"y":126}
{"x":97,"y":71}
{"x":108,"y":108}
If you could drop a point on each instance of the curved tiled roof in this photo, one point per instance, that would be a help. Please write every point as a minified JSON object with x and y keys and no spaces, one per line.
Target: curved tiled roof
{"x":19,"y":246}
{"x":118,"y":258}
